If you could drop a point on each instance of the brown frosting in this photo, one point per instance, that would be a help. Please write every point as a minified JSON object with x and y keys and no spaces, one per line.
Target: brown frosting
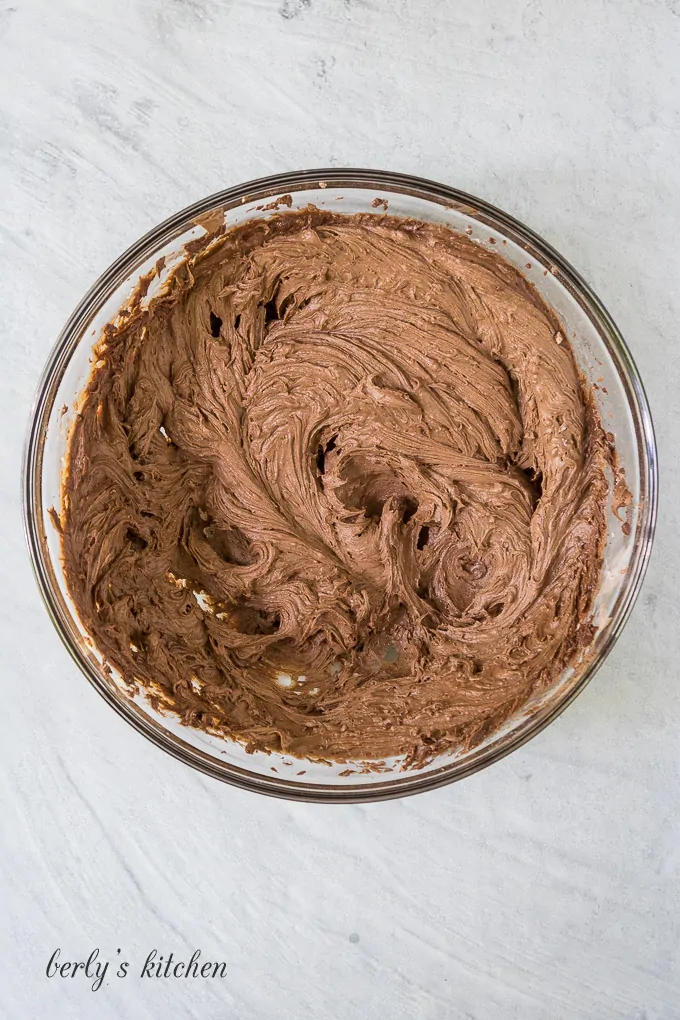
{"x":338,"y":490}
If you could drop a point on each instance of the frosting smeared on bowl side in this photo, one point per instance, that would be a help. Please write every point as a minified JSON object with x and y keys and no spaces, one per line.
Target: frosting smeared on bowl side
{"x":338,"y":490}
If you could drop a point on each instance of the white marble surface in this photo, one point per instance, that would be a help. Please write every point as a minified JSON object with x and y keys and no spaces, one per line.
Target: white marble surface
{"x":545,"y":888}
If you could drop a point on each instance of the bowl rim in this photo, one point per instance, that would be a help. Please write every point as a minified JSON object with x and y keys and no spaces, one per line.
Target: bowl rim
{"x":265,"y":187}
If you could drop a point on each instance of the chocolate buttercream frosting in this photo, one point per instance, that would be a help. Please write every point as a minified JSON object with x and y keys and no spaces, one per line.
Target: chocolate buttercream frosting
{"x":338,"y":490}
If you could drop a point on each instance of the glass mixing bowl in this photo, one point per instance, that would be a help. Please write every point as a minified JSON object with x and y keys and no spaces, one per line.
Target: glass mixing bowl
{"x":602,"y":356}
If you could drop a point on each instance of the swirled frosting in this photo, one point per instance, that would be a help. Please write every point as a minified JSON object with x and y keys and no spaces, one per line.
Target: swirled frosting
{"x":338,"y":490}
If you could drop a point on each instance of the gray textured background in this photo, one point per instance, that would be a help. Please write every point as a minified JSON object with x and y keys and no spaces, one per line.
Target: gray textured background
{"x":545,"y":888}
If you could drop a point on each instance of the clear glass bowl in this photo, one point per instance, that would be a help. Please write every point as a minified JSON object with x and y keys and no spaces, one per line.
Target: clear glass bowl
{"x":600,"y":352}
